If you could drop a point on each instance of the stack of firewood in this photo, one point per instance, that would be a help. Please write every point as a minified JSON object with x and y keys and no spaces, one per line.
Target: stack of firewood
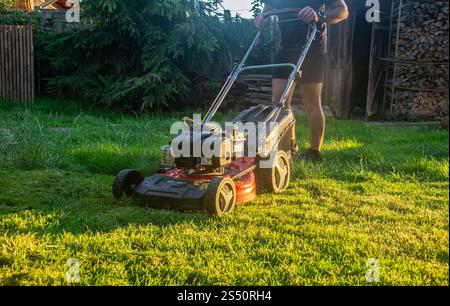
{"x":256,"y":89}
{"x":421,"y":84}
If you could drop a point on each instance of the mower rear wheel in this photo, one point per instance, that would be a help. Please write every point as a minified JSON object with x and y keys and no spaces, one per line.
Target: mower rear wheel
{"x":275,"y":179}
{"x":220,"y":197}
{"x":125,"y":182}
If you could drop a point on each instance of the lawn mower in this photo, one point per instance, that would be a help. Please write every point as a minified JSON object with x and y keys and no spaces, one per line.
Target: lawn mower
{"x":217,"y":183}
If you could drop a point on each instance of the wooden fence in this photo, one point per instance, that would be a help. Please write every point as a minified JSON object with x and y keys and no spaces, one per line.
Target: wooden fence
{"x":16,"y":63}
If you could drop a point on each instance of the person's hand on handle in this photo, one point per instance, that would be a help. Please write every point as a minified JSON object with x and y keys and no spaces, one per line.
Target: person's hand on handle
{"x":308,"y":15}
{"x":260,"y":22}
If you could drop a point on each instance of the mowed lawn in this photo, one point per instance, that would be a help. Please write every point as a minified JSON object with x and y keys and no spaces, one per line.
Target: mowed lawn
{"x":380,"y":195}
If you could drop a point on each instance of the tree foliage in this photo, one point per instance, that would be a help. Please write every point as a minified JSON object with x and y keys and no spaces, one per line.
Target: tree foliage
{"x":138,"y":54}
{"x":257,"y":7}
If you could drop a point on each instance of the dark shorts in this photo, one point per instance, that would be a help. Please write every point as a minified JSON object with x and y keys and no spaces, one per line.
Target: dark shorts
{"x":313,"y":66}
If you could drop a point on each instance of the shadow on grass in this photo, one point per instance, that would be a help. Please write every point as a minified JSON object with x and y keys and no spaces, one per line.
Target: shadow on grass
{"x":79,"y":199}
{"x":41,"y":220}
{"x":56,"y":202}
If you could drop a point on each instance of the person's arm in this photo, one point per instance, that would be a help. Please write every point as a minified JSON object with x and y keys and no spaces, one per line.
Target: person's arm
{"x":260,"y":21}
{"x":335,"y":11}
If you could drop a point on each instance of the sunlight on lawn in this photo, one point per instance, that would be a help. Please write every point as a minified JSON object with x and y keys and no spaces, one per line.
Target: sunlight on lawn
{"x":381,"y":193}
{"x":343,"y":144}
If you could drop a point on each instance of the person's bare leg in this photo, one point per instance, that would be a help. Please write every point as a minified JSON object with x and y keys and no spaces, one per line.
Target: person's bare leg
{"x":312,"y":100}
{"x":278,"y":88}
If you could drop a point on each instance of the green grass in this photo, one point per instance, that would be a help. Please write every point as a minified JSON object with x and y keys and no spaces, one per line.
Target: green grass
{"x":382,"y":193}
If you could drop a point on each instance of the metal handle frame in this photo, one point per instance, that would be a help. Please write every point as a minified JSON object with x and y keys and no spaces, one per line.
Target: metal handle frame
{"x":239,"y":69}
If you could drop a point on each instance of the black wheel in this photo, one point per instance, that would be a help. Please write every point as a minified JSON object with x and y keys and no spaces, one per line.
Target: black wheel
{"x":220,"y":197}
{"x":275,"y":179}
{"x":125,"y":183}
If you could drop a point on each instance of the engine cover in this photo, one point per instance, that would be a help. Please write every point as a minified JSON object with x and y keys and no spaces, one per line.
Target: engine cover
{"x":211,"y":150}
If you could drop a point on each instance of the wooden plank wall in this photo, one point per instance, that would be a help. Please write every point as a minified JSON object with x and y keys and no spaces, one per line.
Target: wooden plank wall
{"x":16,"y":63}
{"x":338,"y":70}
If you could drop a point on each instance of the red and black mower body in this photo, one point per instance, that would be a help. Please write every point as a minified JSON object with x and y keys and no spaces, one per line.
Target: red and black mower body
{"x":174,"y":189}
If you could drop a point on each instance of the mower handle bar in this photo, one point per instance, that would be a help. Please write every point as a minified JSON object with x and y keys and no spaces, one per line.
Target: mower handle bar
{"x":238,"y":69}
{"x":280,"y":11}
{"x":273,"y":13}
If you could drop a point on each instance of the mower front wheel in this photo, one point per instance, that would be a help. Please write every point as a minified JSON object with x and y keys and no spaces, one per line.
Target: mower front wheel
{"x":125,"y":182}
{"x":220,"y":197}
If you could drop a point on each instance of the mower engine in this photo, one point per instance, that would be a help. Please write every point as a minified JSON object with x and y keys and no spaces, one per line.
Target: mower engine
{"x":207,"y":152}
